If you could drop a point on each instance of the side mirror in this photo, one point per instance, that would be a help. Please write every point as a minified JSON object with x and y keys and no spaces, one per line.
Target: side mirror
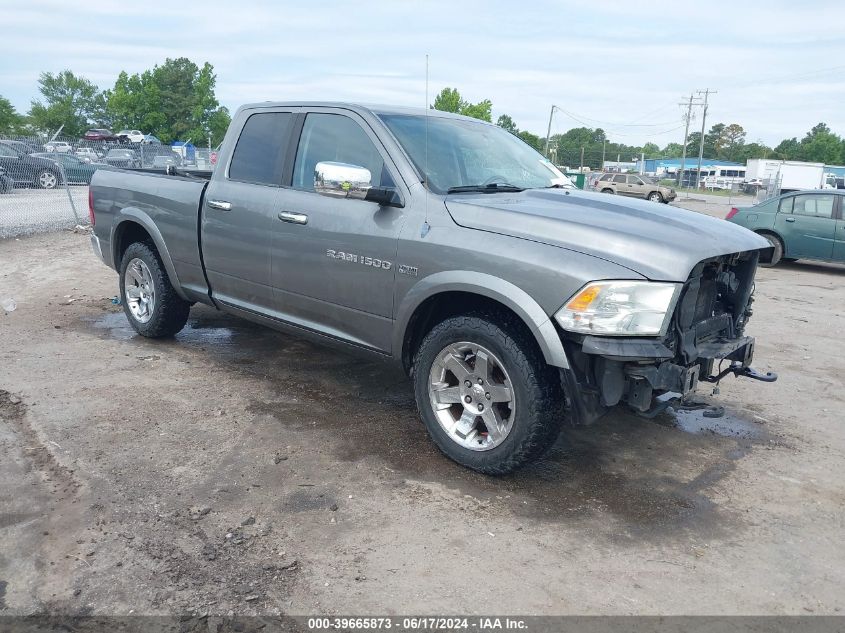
{"x":342,"y":180}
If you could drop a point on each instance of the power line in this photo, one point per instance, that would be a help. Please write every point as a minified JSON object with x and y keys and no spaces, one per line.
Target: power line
{"x":576,"y":118}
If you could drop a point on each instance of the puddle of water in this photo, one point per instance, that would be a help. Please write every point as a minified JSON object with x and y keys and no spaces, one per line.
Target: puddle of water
{"x":118,"y":327}
{"x":729,"y":425}
{"x":695,"y":421}
{"x":651,"y":475}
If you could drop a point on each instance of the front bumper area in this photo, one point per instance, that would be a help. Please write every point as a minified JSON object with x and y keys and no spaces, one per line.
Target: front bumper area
{"x":634,"y":371}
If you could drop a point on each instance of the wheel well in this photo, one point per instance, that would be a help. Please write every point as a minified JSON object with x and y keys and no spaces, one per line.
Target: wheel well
{"x":128,"y":233}
{"x":448,"y":304}
{"x":773,"y":234}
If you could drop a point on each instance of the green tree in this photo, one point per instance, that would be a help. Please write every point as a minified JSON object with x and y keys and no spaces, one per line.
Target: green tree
{"x":174,"y":101}
{"x":730,"y":142}
{"x":10,"y":120}
{"x":751,"y":150}
{"x":531,"y":139}
{"x":672,"y":150}
{"x":68,"y":101}
{"x":651,"y":150}
{"x":450,"y":100}
{"x":820,"y":145}
{"x":788,"y":149}
{"x":507,"y":123}
{"x":482,"y":110}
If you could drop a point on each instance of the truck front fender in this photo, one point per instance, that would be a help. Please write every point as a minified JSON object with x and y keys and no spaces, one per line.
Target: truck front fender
{"x":136,"y":216}
{"x":504,"y":292}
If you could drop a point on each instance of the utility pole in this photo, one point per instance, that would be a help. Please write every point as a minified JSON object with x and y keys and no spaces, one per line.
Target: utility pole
{"x":549,"y":130}
{"x":686,"y":136}
{"x":581,"y":169}
{"x":603,"y":147}
{"x":706,"y":92}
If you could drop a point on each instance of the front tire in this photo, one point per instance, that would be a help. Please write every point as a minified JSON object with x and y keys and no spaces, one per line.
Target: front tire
{"x":149,"y":301}
{"x":485,"y":393}
{"x":46,"y":179}
{"x":655,"y":196}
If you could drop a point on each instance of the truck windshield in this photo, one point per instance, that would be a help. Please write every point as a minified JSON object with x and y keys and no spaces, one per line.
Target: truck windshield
{"x":463,"y":155}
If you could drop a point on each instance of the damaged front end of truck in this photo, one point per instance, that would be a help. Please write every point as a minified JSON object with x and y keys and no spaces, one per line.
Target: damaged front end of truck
{"x":634,"y":342}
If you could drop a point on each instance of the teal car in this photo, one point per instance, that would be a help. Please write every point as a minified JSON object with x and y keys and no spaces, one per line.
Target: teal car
{"x":798,"y":225}
{"x":76,"y":169}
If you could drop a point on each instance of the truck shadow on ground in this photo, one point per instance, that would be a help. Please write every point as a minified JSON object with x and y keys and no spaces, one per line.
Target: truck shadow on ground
{"x":646,"y":477}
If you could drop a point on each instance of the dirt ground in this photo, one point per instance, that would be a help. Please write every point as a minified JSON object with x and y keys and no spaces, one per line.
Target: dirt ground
{"x":237,"y":470}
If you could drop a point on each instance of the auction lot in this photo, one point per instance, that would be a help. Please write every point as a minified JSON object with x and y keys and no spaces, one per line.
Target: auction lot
{"x":237,"y":470}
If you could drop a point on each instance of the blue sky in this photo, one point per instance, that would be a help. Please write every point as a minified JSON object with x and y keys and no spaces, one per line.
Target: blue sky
{"x":623,"y":66}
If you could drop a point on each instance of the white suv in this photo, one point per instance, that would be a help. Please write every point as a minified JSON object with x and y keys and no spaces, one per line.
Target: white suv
{"x":61,"y":147}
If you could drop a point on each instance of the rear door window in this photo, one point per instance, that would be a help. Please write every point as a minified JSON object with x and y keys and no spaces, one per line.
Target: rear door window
{"x":260,"y":153}
{"x":619,"y":179}
{"x":819,"y":206}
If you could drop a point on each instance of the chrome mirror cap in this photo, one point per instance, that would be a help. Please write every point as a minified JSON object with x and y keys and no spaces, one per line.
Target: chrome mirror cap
{"x":342,"y":180}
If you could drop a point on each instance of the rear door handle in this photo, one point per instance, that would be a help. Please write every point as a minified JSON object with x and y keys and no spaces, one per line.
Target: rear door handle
{"x":790,"y":219}
{"x":220,"y":204}
{"x":293,"y":218}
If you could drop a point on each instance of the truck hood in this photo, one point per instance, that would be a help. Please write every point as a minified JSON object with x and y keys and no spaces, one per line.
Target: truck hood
{"x":660,"y":242}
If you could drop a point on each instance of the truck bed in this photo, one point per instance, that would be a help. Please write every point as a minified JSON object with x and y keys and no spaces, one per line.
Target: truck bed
{"x":161,"y":204}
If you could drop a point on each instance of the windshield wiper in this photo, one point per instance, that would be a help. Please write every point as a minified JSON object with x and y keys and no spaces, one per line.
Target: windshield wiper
{"x":493,"y":187}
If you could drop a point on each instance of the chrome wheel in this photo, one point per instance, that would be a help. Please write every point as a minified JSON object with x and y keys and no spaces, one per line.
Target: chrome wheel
{"x":472,"y":396}
{"x":139,"y":290}
{"x":47,"y":179}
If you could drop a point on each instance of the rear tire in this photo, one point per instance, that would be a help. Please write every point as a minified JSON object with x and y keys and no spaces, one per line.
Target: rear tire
{"x":149,"y":301}
{"x":777,"y":251}
{"x":607,"y":190}
{"x":527,"y":397}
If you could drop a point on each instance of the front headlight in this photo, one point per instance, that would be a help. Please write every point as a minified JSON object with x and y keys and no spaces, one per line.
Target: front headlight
{"x":620,"y":308}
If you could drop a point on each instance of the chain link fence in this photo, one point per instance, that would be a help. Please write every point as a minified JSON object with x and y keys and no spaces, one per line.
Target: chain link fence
{"x":44,"y":183}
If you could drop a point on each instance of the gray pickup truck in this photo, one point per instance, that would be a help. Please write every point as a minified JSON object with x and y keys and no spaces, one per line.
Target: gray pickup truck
{"x":514,"y":302}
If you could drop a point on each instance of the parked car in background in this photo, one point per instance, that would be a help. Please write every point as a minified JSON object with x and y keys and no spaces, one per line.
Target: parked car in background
{"x":25,"y":147}
{"x":635,"y":186}
{"x":126,"y":158}
{"x":150,"y":139}
{"x":99,"y":134}
{"x":26,"y":170}
{"x":802,"y":225}
{"x":6,"y":184}
{"x":88,"y":154}
{"x":162,"y":161}
{"x":75,"y":169}
{"x":133,"y":136}
{"x":58,"y":146}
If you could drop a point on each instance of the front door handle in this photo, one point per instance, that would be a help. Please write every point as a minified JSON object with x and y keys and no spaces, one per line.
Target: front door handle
{"x":790,"y":219}
{"x":293,"y":218}
{"x":220,"y":204}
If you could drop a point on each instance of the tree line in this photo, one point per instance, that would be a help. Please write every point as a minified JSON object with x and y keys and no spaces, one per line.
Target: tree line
{"x":722,"y":141}
{"x":176,"y":101}
{"x":173,"y":101}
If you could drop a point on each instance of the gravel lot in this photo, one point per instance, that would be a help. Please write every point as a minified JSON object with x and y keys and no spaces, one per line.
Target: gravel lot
{"x":237,"y":470}
{"x":27,"y":211}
